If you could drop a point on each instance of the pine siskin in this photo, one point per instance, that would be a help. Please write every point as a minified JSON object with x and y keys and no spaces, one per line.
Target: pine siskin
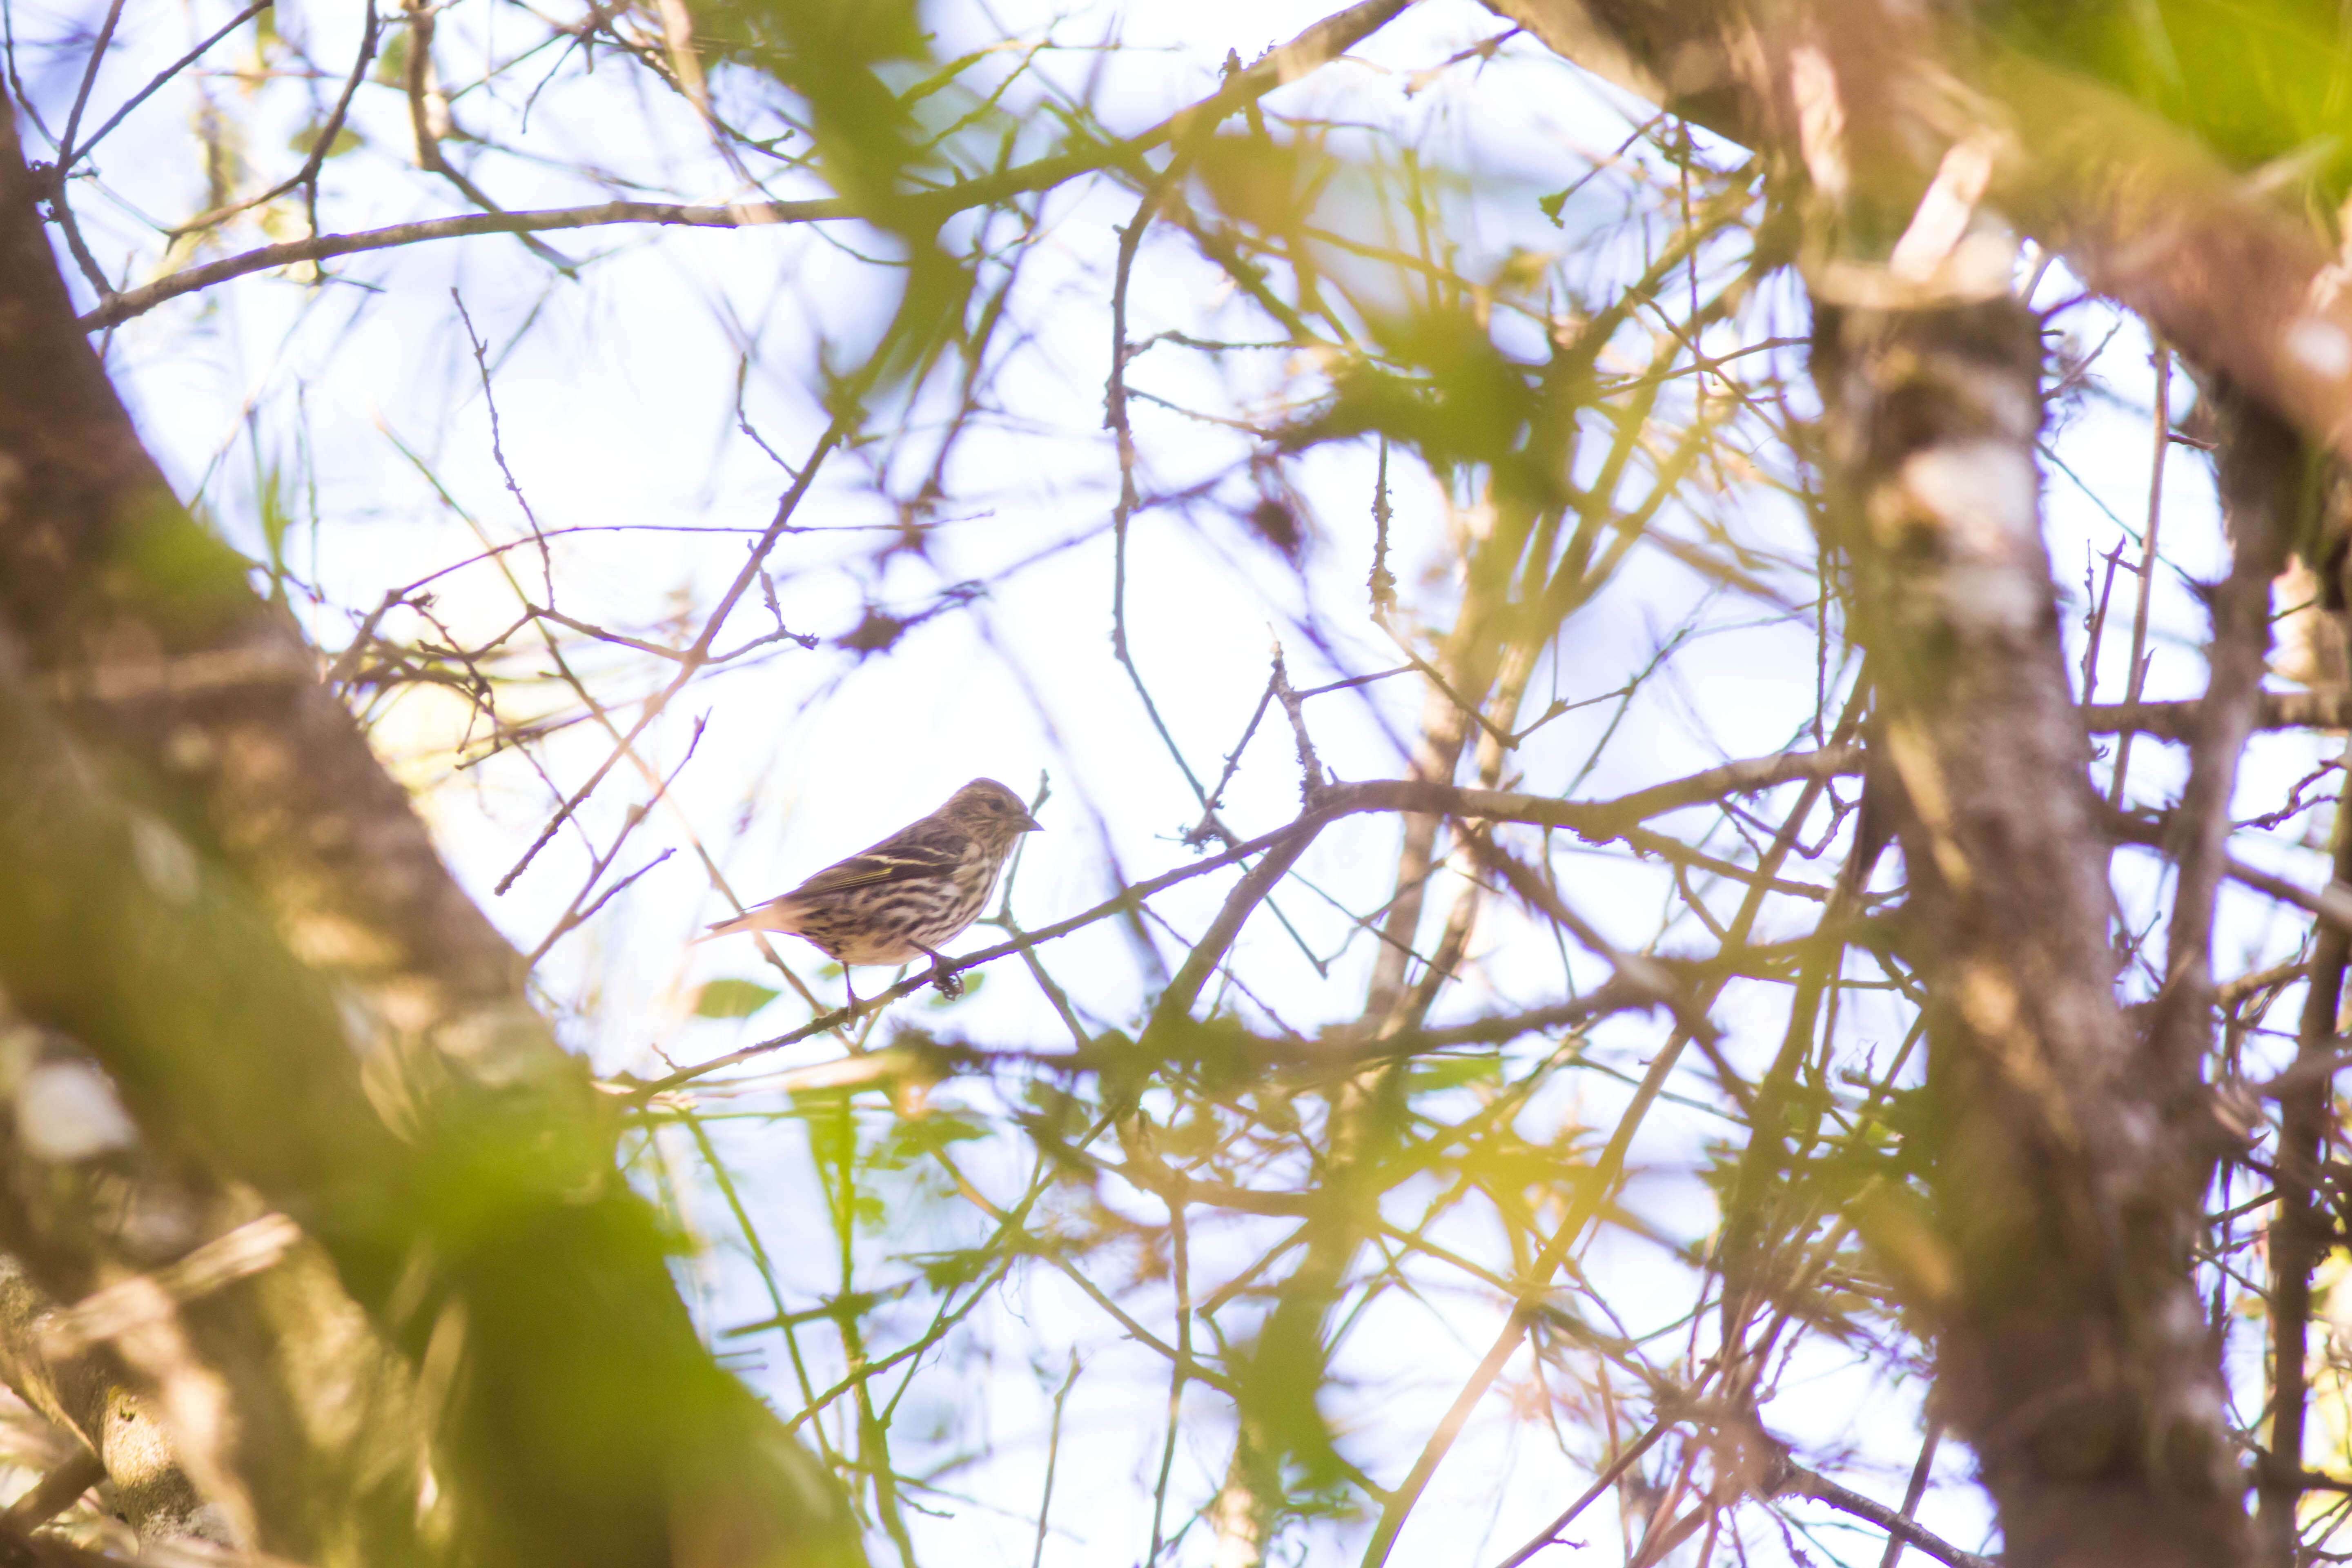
{"x":907,"y":895}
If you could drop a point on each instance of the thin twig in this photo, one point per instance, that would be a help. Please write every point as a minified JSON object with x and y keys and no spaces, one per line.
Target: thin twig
{"x":1550,"y":1534}
{"x":2135,"y":672}
{"x":1311,"y":781}
{"x":1052,"y":1458}
{"x":2301,"y":1233}
{"x":1921,"y":1469}
{"x":698,"y":655}
{"x":498,"y":447}
{"x":162,"y":77}
{"x":1596,"y":1189}
{"x":1318,"y":44}
{"x":1820,"y":1488}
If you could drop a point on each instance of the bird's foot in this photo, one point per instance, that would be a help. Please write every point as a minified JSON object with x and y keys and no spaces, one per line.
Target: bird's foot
{"x":944,"y":980}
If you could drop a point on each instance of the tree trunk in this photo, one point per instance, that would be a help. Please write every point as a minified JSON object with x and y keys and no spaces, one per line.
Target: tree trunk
{"x":217,"y":894}
{"x":2072,"y":1351}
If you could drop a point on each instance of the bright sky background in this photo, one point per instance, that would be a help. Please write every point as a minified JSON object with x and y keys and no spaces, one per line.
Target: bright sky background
{"x":616,"y":397}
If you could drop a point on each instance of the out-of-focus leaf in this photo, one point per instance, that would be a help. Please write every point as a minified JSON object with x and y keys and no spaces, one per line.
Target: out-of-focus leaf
{"x":827,"y":32}
{"x":275,"y":516}
{"x":832,"y":1126}
{"x":1255,"y":181}
{"x":867,"y":141}
{"x":391,"y":58}
{"x":1897,"y":1226}
{"x":2260,"y":82}
{"x":953,"y":1127}
{"x":826,"y":51}
{"x":346,"y":139}
{"x":1454,"y":1072}
{"x":949,"y":1270}
{"x":1216,"y":1049}
{"x":731,"y":999}
{"x":1445,"y":390}
{"x":914,"y":1140}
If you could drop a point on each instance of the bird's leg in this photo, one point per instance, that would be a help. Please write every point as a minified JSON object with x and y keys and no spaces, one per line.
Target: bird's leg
{"x":850,"y":986}
{"x":943,"y":979}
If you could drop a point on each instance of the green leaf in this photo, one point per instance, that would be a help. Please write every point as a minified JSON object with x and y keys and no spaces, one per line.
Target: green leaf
{"x":308,"y":137}
{"x":1454,"y":1072}
{"x":392,"y":60}
{"x":947,"y":1270}
{"x":731,"y":999}
{"x":947,"y":1127}
{"x":276,"y":517}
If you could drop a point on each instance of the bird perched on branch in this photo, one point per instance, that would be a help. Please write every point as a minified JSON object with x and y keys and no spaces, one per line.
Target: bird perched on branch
{"x":907,"y":895}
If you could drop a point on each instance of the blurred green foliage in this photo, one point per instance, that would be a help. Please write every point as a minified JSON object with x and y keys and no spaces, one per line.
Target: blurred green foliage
{"x":835,"y":58}
{"x":2262,"y":82}
{"x":733,"y":998}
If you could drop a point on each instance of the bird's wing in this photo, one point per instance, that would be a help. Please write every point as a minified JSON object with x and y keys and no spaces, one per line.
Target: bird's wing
{"x":926,"y":850}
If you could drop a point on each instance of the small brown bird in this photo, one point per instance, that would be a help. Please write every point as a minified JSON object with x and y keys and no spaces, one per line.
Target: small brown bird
{"x":906,"y":895}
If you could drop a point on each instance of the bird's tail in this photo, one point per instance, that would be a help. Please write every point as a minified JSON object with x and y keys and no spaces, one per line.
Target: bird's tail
{"x":766,"y":917}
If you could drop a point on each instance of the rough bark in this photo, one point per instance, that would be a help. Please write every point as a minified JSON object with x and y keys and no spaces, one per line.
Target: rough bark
{"x":2302,"y":1233}
{"x":92,"y":1397}
{"x":2071,"y":1350}
{"x":219,"y":895}
{"x":255,"y":1409}
{"x":2069,"y":1156}
{"x":2272,"y":488}
{"x":2142,"y":211}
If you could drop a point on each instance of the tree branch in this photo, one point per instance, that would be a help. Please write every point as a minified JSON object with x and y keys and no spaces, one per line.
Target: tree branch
{"x":1312,"y":48}
{"x":1820,"y":1488}
{"x":2141,"y":211}
{"x":152,"y":933}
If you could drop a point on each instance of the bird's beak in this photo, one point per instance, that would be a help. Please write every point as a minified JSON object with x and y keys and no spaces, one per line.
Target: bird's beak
{"x":1032,"y":824}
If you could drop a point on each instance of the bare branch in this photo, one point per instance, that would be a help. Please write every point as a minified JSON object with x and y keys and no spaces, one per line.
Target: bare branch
{"x":1316,"y":45}
{"x":1805,"y":1483}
